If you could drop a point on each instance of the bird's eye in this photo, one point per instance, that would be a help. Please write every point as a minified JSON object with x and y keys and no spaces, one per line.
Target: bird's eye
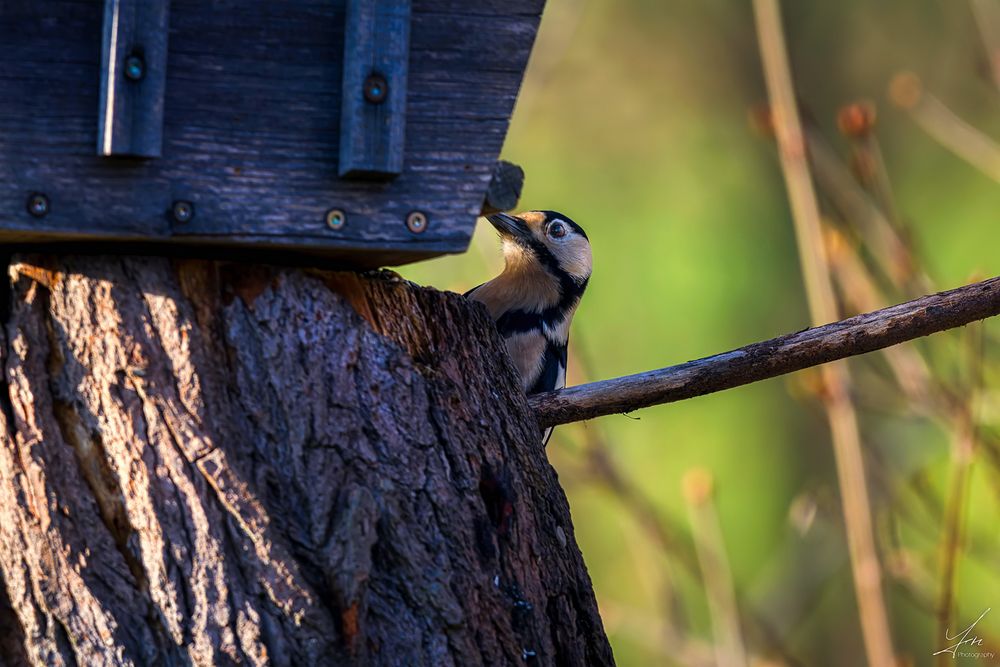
{"x":557,"y":230}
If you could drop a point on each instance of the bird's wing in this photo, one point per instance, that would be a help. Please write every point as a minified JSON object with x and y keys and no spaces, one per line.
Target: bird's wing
{"x":553,"y":375}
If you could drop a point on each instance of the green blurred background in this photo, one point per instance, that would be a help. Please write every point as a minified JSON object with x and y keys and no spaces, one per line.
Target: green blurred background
{"x":633,"y":121}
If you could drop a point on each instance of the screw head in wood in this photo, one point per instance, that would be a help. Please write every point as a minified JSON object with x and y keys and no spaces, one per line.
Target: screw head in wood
{"x":416,"y":222}
{"x":376,"y":88}
{"x":335,"y":218}
{"x":38,"y":205}
{"x":182,"y":211}
{"x":135,"y":67}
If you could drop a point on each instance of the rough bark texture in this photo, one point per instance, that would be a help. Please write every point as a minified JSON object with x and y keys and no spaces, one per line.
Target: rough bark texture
{"x":212,"y":464}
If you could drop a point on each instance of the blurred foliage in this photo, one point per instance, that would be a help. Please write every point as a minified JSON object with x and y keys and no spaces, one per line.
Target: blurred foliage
{"x":633,"y":121}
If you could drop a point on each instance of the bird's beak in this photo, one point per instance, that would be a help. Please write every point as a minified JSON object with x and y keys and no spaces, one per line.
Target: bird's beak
{"x":510,"y":226}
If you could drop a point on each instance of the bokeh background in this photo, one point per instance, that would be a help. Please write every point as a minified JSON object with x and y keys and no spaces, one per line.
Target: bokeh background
{"x":635,"y":119}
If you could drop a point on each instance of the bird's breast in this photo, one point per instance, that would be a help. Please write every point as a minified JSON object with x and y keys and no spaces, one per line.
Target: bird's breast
{"x":527,"y":350}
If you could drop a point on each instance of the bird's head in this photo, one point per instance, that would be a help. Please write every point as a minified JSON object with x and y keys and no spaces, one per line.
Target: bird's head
{"x":545,"y":240}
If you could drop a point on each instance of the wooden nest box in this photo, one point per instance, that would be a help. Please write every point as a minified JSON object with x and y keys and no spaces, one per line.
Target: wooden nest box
{"x":363,"y":132}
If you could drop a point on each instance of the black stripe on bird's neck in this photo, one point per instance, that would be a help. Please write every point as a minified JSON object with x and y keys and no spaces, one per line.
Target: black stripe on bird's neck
{"x":570,"y":289}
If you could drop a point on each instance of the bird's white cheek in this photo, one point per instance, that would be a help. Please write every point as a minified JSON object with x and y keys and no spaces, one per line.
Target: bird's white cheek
{"x":576,"y":262}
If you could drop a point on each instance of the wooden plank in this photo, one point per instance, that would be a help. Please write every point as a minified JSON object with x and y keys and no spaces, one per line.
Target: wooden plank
{"x":251,"y":133}
{"x":505,"y":188}
{"x":133,"y":78}
{"x":373,"y":103}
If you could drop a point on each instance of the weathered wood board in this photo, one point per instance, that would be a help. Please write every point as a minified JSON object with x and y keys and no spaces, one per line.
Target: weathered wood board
{"x":251,"y":129}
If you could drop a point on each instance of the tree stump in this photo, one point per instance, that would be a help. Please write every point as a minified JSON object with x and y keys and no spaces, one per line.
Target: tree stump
{"x":210,"y":463}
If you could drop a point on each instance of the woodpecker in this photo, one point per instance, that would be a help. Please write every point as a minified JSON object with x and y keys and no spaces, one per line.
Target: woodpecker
{"x":547,"y":265}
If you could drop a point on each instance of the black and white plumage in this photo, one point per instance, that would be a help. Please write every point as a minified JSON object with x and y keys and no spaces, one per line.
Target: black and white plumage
{"x":547,"y":267}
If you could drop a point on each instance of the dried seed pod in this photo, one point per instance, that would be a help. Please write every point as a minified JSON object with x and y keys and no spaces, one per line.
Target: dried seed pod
{"x":856,"y":120}
{"x":905,"y":90}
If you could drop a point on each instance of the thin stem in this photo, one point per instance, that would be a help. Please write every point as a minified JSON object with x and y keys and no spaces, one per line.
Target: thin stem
{"x":857,"y":208}
{"x":943,"y":125}
{"x":987,"y":14}
{"x":823,"y":306}
{"x":860,"y":293}
{"x":716,"y":573}
{"x":660,"y":527}
{"x":963,"y":453}
{"x":868,"y":149}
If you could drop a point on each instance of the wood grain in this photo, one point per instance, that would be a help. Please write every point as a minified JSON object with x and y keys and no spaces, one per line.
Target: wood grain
{"x":212,"y":463}
{"x":770,"y":358}
{"x":373,"y":105}
{"x":505,"y":188}
{"x":252,"y":127}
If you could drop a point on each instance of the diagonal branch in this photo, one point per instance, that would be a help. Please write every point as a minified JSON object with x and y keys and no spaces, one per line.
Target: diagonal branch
{"x":770,"y":358}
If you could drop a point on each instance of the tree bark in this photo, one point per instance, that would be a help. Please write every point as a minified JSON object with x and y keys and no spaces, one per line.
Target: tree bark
{"x":208,"y":463}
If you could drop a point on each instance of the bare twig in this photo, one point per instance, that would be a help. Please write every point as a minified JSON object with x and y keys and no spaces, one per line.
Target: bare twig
{"x":942,"y":124}
{"x":860,"y":293}
{"x":771,"y":358}
{"x":987,"y":14}
{"x":854,"y":204}
{"x":857,"y":122}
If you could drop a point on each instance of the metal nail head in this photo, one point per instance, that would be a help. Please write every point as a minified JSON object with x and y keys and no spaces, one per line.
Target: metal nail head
{"x":335,"y":218}
{"x":416,"y":222}
{"x":38,"y":205}
{"x":182,"y":211}
{"x":135,"y":67}
{"x":376,"y":88}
